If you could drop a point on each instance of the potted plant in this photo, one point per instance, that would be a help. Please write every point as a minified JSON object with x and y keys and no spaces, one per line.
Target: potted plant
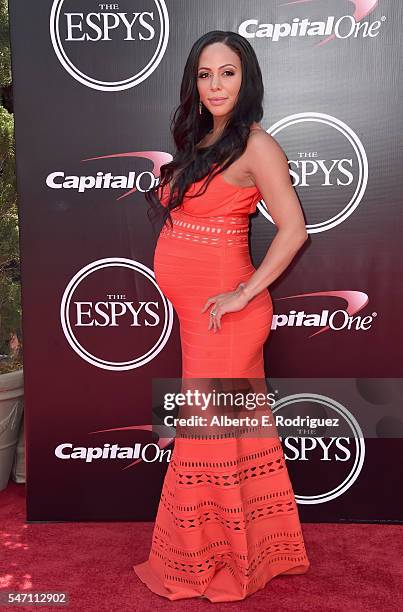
{"x":11,"y":372}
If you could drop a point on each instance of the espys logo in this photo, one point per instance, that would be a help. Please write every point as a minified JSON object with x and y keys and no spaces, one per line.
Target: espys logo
{"x":340,"y":319}
{"x":346,"y":26}
{"x":328,"y":159}
{"x":109,"y":47}
{"x":114,"y":315}
{"x":345,"y":452}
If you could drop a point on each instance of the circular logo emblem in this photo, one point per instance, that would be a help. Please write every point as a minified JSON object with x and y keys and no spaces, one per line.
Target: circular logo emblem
{"x":328,"y":166}
{"x":114,"y":315}
{"x":109,"y":47}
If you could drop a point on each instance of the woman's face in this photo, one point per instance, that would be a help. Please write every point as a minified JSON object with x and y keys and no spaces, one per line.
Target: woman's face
{"x":219,"y":75}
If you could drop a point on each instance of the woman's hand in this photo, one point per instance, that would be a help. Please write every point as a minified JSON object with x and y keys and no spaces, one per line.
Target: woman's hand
{"x":230,"y":301}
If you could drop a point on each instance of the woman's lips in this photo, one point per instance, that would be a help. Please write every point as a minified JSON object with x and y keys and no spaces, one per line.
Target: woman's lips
{"x":217,"y":101}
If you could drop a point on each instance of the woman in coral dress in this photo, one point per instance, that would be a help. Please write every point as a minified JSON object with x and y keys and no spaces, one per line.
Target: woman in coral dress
{"x":227,"y":520}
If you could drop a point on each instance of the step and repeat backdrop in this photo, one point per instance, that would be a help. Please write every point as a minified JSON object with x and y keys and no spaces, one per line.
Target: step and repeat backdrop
{"x":95,"y":87}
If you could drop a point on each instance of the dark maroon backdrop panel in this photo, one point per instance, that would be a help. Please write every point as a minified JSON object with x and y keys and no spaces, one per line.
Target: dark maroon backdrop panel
{"x":95,"y":87}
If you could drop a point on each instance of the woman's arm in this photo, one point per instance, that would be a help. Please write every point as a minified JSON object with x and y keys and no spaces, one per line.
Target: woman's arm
{"x":267,"y":163}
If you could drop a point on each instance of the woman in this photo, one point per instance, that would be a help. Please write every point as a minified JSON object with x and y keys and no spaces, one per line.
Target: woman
{"x":227,"y":521}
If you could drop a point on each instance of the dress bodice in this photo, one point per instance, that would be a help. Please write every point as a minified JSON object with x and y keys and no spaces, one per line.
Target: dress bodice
{"x":221,"y":198}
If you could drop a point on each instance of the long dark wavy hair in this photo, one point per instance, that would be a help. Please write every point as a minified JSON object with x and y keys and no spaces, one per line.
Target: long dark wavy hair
{"x":188,"y":126}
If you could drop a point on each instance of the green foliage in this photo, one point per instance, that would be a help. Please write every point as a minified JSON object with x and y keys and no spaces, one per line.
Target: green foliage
{"x":10,"y":290}
{"x":5,"y":63}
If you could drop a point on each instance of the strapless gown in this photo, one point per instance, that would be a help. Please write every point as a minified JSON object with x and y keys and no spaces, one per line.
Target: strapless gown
{"x":227,"y":521}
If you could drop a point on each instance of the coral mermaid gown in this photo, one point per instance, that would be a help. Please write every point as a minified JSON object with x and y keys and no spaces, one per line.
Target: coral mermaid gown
{"x":227,"y":520}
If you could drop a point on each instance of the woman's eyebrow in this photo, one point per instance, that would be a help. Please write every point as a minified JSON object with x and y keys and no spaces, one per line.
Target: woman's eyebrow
{"x":206,"y":67}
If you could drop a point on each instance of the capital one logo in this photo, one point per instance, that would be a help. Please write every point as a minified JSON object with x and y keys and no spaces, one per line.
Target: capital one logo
{"x":109,"y":46}
{"x":339,"y":319}
{"x":114,"y":315}
{"x":345,"y":26}
{"x":339,"y":457}
{"x":328,"y":167}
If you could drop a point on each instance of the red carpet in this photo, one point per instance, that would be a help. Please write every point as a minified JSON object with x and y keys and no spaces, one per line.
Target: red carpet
{"x":355,"y":567}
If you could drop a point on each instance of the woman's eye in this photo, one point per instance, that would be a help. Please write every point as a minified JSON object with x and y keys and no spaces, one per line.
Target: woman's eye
{"x":230,"y":72}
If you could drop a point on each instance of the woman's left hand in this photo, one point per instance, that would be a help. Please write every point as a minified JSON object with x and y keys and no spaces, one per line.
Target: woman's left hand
{"x":230,"y":301}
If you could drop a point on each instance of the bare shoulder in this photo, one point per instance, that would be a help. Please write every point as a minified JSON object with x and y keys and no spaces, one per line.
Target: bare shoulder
{"x":263,"y":151}
{"x":261,"y":148}
{"x":262,"y":143}
{"x":266,"y":164}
